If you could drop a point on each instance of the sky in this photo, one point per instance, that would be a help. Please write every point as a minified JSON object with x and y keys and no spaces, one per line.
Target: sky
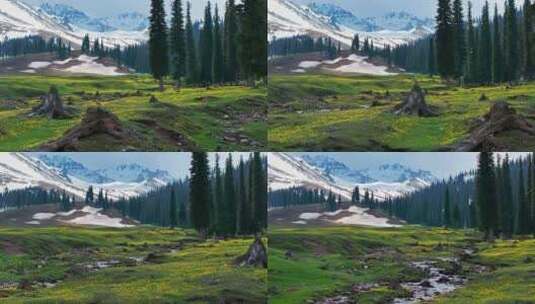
{"x":176,"y":163}
{"x":105,"y":8}
{"x":420,"y":8}
{"x":441,"y":164}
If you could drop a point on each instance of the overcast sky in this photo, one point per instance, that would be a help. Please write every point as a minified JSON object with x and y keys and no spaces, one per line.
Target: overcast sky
{"x":176,"y":163}
{"x":442,"y":165}
{"x":104,"y":8}
{"x":421,"y":8}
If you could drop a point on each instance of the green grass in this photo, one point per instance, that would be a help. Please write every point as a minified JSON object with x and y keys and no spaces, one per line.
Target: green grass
{"x":195,"y":272}
{"x":325,"y":112}
{"x":203,"y":116}
{"x":329,"y":260}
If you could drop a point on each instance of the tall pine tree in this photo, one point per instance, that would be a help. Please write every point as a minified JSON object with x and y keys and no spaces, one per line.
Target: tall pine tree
{"x":159,"y":60}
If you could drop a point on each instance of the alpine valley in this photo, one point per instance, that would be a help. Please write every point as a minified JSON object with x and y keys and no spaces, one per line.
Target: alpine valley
{"x":400,"y":235}
{"x":70,"y":81}
{"x":339,"y":81}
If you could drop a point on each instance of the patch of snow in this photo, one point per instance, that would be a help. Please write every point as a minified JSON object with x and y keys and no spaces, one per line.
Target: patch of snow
{"x":95,"y":218}
{"x":361,"y":217}
{"x":298,"y":71}
{"x":73,"y":211}
{"x":43,"y":216}
{"x":300,"y":222}
{"x":33,"y":223}
{"x":89,"y":65}
{"x":39,"y":64}
{"x":309,"y":64}
{"x":309,"y":216}
{"x":29,"y":71}
{"x":64,"y":61}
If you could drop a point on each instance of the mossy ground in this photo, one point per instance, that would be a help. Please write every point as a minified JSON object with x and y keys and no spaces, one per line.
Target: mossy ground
{"x":209,"y":119}
{"x":319,"y":112}
{"x":329,"y":260}
{"x":194,"y":272}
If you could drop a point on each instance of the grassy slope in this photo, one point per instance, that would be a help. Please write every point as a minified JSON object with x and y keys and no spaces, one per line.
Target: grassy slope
{"x":197,"y":113}
{"x":349,"y":125}
{"x":197,"y":273}
{"x":328,"y":259}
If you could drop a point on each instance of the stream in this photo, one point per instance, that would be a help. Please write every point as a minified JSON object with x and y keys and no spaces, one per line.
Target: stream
{"x":436,"y":283}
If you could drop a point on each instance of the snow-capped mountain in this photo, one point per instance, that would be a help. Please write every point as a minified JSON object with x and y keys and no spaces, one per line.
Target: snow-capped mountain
{"x":126,"y":173}
{"x":394,"y":21}
{"x":286,"y":19}
{"x":19,"y":170}
{"x":390,"y":173}
{"x":322,"y":172}
{"x":71,"y":16}
{"x":18,"y":19}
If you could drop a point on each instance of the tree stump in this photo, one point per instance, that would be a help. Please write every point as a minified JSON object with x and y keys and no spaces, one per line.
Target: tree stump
{"x":51,"y":106}
{"x":500,"y":118}
{"x":256,"y":256}
{"x":414,"y":104}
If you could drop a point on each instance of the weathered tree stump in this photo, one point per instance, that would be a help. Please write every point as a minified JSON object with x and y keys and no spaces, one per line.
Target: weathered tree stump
{"x":414,"y":104}
{"x":501,"y":118}
{"x":256,"y":256}
{"x":96,"y":121}
{"x":51,"y":106}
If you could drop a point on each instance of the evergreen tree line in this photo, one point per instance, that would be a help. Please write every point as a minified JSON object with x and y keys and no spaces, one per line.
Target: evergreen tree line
{"x":22,"y":198}
{"x":498,"y":198}
{"x":491,"y":49}
{"x":226,"y":200}
{"x":228,"y":48}
{"x":32,"y":45}
{"x":303,"y":44}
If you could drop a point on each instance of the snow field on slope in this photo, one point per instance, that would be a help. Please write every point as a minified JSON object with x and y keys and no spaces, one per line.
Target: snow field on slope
{"x":358,"y":216}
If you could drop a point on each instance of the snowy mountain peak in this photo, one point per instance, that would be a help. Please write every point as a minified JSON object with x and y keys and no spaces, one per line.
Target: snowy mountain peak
{"x":70,"y":16}
{"x":286,"y":19}
{"x":125,"y":173}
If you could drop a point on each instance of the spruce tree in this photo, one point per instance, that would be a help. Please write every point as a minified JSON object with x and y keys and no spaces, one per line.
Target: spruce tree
{"x":447,"y":209}
{"x":177,"y":41}
{"x":245,"y":212}
{"x":207,"y":47}
{"x":523,"y":209}
{"x":259,"y":188}
{"x":230,"y":199}
{"x":485,"y":47}
{"x":459,"y":34}
{"x":529,"y":68}
{"x":471,"y":66}
{"x":432,"y":58}
{"x":497,"y":57}
{"x":511,"y":41}
{"x":506,"y":210}
{"x":486,"y":194}
{"x":218,"y":49}
{"x":230,"y":42}
{"x":173,"y":221}
{"x":192,"y":64}
{"x":219,"y":201}
{"x":444,"y":39}
{"x":200,"y":194}
{"x":159,"y":60}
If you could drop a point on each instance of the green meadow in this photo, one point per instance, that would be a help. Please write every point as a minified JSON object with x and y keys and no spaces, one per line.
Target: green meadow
{"x":310,"y":264}
{"x":146,"y":265}
{"x":230,"y":118}
{"x":320,"y":112}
